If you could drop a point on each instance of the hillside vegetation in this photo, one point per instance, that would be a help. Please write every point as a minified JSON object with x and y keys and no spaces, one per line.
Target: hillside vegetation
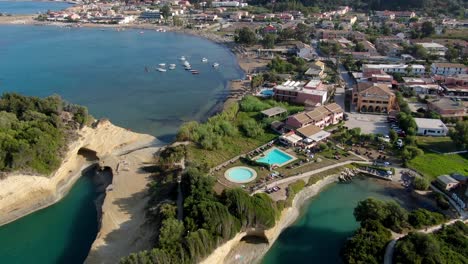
{"x":432,"y":7}
{"x":34,"y":131}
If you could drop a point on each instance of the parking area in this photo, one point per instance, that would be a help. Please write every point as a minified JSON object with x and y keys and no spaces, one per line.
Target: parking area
{"x":369,"y":124}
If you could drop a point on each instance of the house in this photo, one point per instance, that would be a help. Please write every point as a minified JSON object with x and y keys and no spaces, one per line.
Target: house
{"x":396,"y":68}
{"x":306,"y":52}
{"x":430,"y":127}
{"x":150,"y":15}
{"x":269,"y":29}
{"x":391,"y":49}
{"x":285,"y":17}
{"x":316,"y":70}
{"x":447,"y":182}
{"x":433,"y":48}
{"x":274,"y":111}
{"x":454,"y":85}
{"x":296,"y":92}
{"x":290,"y":139}
{"x":446,"y":107}
{"x":372,"y":98}
{"x":228,"y":4}
{"x":321,"y":116}
{"x":448,"y":68}
{"x":312,"y":135}
{"x":369,"y":47}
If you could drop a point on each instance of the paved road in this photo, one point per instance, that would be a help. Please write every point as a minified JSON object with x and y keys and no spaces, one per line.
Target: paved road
{"x":388,"y":258}
{"x":345,"y":76}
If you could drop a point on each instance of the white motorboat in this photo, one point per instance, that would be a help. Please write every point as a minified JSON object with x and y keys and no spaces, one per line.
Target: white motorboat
{"x":162,"y":64}
{"x":204,"y":60}
{"x":172,"y":66}
{"x":162,"y":70}
{"x":182,"y":58}
{"x":215,"y":64}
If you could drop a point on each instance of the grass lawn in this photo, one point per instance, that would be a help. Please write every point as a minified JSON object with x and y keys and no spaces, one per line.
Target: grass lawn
{"x":432,"y":165}
{"x":439,"y":144}
{"x":232,"y":147}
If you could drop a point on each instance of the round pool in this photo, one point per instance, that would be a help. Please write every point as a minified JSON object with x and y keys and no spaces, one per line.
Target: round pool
{"x":240,"y":174}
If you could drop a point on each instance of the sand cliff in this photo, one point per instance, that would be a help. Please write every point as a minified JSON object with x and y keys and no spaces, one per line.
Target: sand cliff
{"x":235,"y":251}
{"x":23,"y":194}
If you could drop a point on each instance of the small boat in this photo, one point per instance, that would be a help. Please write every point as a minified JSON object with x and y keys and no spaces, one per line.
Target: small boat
{"x":182,"y":58}
{"x":204,"y":60}
{"x":162,"y":70}
{"x":186,"y":63}
{"x":172,"y":66}
{"x":188,"y":68}
{"x":162,"y":64}
{"x":215,"y":64}
{"x":194,"y":72}
{"x":141,"y":32}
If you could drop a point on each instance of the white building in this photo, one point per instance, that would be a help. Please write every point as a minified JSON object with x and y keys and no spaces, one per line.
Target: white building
{"x":448,"y":68}
{"x":395,"y":68}
{"x":430,"y":127}
{"x":434,"y":48}
{"x":228,"y":4}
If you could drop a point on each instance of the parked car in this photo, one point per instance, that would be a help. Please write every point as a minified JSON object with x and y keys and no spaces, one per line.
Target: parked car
{"x":345,"y":117}
{"x":399,"y":143}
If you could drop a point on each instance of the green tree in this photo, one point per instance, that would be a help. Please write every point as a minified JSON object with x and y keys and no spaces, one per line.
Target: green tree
{"x":427,"y":29}
{"x":245,"y":36}
{"x":420,"y":183}
{"x":370,"y":209}
{"x":165,"y":12}
{"x":268,"y":41}
{"x":460,"y":134}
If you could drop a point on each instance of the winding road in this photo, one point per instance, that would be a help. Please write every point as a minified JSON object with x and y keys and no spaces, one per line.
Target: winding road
{"x":388,"y":259}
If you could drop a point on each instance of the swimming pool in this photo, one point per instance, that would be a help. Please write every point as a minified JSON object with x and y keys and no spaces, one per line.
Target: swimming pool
{"x":267,"y":92}
{"x":240,"y":174}
{"x":275,"y":156}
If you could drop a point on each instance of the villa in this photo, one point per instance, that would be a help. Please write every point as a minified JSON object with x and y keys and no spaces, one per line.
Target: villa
{"x":316,"y":70}
{"x":321,"y":116}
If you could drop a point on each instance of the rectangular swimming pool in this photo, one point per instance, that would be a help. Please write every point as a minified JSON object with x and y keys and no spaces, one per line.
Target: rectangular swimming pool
{"x":275,"y":156}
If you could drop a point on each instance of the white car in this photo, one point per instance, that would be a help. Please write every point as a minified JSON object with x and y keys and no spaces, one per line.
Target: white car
{"x":399,"y":143}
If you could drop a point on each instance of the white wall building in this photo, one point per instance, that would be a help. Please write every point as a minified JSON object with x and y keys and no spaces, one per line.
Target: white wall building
{"x":448,"y":69}
{"x":431,"y":127}
{"x":434,"y":48}
{"x":395,"y":68}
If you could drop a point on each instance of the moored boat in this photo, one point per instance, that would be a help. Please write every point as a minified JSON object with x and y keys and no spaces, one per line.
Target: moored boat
{"x":204,"y":60}
{"x":162,"y":64}
{"x":162,"y":70}
{"x":215,"y":64}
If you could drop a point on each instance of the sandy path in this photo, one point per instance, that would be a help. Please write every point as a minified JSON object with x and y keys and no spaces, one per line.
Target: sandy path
{"x":124,"y":228}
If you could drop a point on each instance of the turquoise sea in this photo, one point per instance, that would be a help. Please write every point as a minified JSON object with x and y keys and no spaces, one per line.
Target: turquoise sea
{"x":326,"y":222}
{"x":105,"y":71}
{"x":30,"y":7}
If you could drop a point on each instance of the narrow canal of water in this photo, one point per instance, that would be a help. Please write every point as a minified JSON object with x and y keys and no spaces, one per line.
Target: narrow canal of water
{"x":326,"y":222}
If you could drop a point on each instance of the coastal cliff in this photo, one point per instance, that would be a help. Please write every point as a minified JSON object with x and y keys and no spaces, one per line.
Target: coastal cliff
{"x":23,"y":194}
{"x":236,"y":251}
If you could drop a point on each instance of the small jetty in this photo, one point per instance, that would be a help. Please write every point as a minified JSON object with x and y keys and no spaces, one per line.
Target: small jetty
{"x":347,"y":175}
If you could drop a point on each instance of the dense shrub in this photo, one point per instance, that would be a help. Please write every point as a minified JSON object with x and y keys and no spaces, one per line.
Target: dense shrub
{"x":34,"y":131}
